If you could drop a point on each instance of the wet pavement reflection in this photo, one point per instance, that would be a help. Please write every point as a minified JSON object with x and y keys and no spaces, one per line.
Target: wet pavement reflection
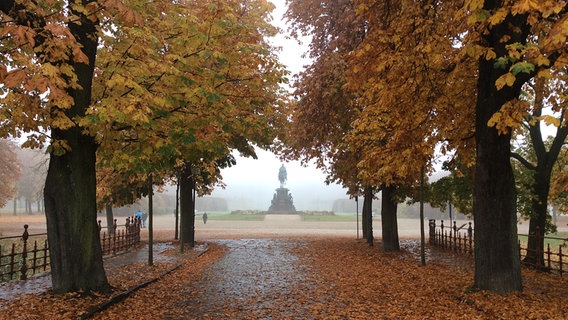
{"x":257,"y":278}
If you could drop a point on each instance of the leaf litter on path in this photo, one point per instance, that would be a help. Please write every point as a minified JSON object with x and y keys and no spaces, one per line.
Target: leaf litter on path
{"x":314,"y":278}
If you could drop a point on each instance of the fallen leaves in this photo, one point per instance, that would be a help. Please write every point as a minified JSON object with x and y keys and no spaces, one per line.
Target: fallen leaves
{"x":76,"y":305}
{"x":335,"y":278}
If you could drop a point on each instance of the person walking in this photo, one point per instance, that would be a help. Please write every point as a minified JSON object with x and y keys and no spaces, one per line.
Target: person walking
{"x":139,"y":215}
{"x":204,"y":217}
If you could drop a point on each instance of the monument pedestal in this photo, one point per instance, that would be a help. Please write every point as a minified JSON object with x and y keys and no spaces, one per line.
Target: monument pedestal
{"x":282,"y":202}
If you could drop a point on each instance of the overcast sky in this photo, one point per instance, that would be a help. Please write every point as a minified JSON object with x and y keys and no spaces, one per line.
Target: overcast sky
{"x":251,"y":183}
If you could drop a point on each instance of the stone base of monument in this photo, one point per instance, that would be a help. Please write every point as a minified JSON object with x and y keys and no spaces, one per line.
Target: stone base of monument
{"x":282,"y":202}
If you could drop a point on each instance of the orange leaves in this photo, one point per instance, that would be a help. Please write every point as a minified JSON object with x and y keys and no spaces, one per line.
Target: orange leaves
{"x":14,"y":78}
{"x":322,"y":278}
{"x":126,"y":13}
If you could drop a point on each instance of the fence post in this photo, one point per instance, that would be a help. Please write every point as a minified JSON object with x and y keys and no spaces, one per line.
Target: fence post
{"x":114,"y":226}
{"x":560,"y":259}
{"x":470,"y":238}
{"x":431,"y":230}
{"x":24,"y":268}
{"x":34,"y":259}
{"x":455,"y":235}
{"x":548,"y":254}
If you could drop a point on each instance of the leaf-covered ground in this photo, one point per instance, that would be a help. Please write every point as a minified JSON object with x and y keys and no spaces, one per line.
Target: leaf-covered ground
{"x":305,"y":278}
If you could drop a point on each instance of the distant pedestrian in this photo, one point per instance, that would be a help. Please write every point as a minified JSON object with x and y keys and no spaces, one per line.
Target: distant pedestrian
{"x":144,"y":218}
{"x":139,"y":217}
{"x":204,"y":217}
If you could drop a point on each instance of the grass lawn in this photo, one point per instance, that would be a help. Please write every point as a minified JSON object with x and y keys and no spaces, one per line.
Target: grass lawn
{"x":328,"y":218}
{"x":234,"y":217}
{"x":557,"y":239}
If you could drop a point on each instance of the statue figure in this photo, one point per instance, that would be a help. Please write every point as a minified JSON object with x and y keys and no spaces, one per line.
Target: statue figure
{"x":282,"y":176}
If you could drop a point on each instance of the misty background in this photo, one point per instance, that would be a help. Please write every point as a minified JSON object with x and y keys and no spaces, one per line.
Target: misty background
{"x":251,"y":185}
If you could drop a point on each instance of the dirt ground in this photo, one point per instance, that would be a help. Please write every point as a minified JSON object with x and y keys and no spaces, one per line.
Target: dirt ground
{"x":273,"y":226}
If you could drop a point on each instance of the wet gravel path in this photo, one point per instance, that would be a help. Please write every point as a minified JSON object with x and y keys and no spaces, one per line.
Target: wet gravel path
{"x":256,"y":279}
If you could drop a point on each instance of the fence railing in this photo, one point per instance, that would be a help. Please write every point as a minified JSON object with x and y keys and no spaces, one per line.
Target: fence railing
{"x":114,"y":240}
{"x":452,"y":238}
{"x":551,"y":257}
{"x":460,"y":240}
{"x":19,"y":258}
{"x":28,"y":254}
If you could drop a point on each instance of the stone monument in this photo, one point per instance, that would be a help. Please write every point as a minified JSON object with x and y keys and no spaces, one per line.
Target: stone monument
{"x":282,"y":200}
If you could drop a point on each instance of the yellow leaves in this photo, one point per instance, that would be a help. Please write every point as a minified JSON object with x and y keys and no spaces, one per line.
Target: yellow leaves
{"x":508,"y":79}
{"x":550,"y":120}
{"x":498,"y":17}
{"x":490,"y":54}
{"x":58,"y":147}
{"x":475,"y":51}
{"x":473,"y":5}
{"x":510,"y":116}
{"x":524,"y":6}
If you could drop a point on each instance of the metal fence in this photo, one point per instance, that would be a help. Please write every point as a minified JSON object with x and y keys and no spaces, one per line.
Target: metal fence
{"x":553,"y":257}
{"x":460,"y":240}
{"x":22,"y":256}
{"x":28,"y":254}
{"x":452,"y":238}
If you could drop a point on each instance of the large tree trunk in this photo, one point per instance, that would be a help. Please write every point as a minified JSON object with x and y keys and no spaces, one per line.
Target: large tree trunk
{"x":187,"y":206}
{"x":542,"y":175}
{"x":72,"y":230}
{"x":389,"y":220}
{"x":367,"y":215}
{"x":497,"y":262}
{"x":70,"y":188}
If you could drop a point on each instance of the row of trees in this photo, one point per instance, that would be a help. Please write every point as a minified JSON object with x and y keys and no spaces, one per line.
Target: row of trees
{"x":395,"y":83}
{"x":22,"y":175}
{"x":131,"y":94}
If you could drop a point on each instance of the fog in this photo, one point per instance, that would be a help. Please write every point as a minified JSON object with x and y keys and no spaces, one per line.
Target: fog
{"x":252,"y":183}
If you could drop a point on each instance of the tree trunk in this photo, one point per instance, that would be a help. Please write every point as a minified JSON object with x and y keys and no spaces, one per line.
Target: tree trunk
{"x":15,"y":207}
{"x":497,"y":262}
{"x":389,"y":220}
{"x":367,"y":216}
{"x":70,"y":187}
{"x":176,"y":213}
{"x":542,"y":175}
{"x":28,"y":204}
{"x":110,"y":219}
{"x":537,"y":222}
{"x":151,"y":220}
{"x":70,"y":205}
{"x":187,"y":206}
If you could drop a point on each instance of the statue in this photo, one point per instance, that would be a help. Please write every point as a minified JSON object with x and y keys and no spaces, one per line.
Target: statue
{"x":282,"y":176}
{"x":282,"y":202}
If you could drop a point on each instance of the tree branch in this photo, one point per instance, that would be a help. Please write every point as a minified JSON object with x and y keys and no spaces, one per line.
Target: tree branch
{"x":523,"y":161}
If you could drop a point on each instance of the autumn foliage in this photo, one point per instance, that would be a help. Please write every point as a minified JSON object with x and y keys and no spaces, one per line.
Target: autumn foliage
{"x":9,"y":171}
{"x":341,"y":278}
